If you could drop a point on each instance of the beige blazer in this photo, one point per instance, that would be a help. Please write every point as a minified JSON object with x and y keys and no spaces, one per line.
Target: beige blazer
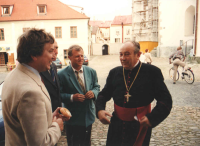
{"x":148,"y":57}
{"x":27,"y":110}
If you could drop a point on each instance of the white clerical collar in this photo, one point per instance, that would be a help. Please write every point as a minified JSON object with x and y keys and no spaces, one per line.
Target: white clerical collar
{"x":135,"y":65}
{"x":77,"y":70}
{"x":32,"y":69}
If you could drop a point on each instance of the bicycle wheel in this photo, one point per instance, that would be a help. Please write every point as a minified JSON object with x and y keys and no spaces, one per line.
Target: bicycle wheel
{"x":171,"y":74}
{"x":189,"y":76}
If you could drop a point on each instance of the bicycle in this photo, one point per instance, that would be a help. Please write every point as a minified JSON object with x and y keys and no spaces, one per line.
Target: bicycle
{"x":188,"y":75}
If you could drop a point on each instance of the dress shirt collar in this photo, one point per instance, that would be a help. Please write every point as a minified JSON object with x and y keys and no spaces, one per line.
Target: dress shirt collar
{"x":32,"y":69}
{"x":77,"y":70}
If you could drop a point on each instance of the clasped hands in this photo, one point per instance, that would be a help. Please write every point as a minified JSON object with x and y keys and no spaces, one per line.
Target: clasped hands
{"x":102,"y":115}
{"x":81,"y":97}
{"x":59,"y":118}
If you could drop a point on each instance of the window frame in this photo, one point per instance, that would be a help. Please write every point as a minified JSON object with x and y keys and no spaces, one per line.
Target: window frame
{"x":8,"y":10}
{"x":1,"y":35}
{"x":40,"y":9}
{"x":57,"y":36}
{"x":117,"y":39}
{"x":73,"y":31}
{"x":65,"y":55}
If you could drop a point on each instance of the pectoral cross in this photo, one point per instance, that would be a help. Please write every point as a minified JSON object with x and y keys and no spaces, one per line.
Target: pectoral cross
{"x":127,"y":96}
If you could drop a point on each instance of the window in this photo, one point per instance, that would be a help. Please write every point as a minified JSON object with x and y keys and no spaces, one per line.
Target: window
{"x":117,"y":40}
{"x":127,"y":39}
{"x":65,"y":54}
{"x":25,"y":29}
{"x":73,"y":31}
{"x":58,"y":31}
{"x":6,"y":10}
{"x":41,"y":9}
{"x":117,"y":32}
{"x":1,"y":34}
{"x":127,"y":31}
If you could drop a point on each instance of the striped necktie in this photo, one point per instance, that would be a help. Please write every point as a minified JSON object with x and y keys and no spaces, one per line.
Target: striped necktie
{"x":80,"y":81}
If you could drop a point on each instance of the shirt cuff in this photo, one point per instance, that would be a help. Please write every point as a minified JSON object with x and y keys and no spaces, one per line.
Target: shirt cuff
{"x":71,"y":98}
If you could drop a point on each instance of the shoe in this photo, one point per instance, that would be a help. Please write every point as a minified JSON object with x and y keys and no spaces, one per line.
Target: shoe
{"x":174,"y":82}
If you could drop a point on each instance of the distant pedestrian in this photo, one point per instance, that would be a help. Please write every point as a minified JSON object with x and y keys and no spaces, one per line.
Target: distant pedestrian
{"x":142,"y":58}
{"x":147,"y":55}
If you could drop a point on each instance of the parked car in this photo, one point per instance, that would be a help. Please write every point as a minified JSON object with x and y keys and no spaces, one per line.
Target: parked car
{"x":58,"y":63}
{"x":85,"y":61}
{"x":2,"y":130}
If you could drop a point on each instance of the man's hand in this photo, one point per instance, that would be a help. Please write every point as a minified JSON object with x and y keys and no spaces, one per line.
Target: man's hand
{"x":144,"y":121}
{"x":57,"y":114}
{"x":59,"y":121}
{"x":102,"y":116}
{"x":89,"y":95}
{"x":78,"y":97}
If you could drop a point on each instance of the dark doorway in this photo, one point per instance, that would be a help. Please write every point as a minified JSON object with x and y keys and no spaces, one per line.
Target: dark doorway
{"x":105,"y":50}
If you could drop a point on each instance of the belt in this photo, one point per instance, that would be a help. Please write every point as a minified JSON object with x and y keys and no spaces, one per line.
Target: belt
{"x":128,"y":114}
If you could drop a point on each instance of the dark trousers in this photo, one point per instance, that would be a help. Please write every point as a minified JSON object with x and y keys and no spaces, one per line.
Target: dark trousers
{"x":78,"y":135}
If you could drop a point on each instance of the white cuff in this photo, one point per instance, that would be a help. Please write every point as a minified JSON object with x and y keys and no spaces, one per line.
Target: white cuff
{"x":71,"y":98}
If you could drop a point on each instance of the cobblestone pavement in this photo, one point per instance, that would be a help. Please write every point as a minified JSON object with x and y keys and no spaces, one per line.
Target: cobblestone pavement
{"x":181,"y":128}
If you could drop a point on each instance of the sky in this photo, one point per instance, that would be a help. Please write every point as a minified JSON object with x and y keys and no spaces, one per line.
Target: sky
{"x":102,"y":9}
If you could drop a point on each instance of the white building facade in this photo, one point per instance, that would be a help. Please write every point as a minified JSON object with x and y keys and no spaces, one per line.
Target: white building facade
{"x":67,"y":29}
{"x":176,"y":26}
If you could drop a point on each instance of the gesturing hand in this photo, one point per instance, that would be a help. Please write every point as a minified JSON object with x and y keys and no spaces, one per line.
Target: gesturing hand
{"x":78,"y":97}
{"x":102,"y":116}
{"x":144,"y":121}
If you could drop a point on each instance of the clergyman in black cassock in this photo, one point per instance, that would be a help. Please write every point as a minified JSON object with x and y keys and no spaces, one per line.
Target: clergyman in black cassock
{"x":132,"y":120}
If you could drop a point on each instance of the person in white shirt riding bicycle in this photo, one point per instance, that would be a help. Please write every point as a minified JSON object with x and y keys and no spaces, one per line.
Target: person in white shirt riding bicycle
{"x":178,"y":59}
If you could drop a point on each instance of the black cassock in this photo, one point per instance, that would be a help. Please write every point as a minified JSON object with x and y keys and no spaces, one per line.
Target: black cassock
{"x":149,"y":85}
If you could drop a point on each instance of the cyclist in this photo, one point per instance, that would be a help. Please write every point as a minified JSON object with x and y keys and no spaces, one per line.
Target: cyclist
{"x":178,"y":59}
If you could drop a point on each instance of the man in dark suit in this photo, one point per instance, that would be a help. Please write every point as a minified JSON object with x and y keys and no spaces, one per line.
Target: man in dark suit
{"x":79,"y":89}
{"x":51,"y":81}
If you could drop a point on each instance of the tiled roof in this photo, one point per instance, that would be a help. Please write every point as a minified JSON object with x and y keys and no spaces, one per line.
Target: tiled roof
{"x":94,"y":29}
{"x":27,"y":10}
{"x":125,"y":19}
{"x":101,"y":24}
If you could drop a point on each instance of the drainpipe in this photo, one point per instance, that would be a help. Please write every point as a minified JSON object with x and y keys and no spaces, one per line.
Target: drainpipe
{"x":197,"y":7}
{"x":122,"y":33}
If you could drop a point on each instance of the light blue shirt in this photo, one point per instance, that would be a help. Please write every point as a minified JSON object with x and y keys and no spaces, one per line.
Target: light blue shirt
{"x":32,"y":69}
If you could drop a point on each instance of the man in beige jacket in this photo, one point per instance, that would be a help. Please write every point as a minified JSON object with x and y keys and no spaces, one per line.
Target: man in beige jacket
{"x":26,"y":102}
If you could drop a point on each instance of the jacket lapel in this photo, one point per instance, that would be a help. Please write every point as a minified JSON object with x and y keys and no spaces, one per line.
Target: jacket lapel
{"x":86,"y":77}
{"x":74,"y":80}
{"x":47,"y":75}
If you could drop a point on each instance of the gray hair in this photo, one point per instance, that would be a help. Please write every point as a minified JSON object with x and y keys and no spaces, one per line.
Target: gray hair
{"x":74,"y":47}
{"x":136,"y":45}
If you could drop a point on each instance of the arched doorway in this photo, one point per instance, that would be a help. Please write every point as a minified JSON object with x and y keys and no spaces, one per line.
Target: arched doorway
{"x":189,"y":21}
{"x":105,"y":49}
